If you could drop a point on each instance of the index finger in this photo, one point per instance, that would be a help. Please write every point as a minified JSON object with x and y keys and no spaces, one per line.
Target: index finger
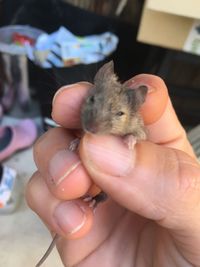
{"x":67,"y":102}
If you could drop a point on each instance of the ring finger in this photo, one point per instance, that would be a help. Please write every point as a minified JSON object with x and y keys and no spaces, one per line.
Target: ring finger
{"x":71,"y":219}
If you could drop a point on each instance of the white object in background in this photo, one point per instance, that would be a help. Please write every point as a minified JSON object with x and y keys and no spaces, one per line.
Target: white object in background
{"x":192,"y":43}
{"x":9,"y":190}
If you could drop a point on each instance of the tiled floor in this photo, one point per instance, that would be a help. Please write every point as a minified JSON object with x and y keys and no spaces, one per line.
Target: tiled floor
{"x":23,"y":237}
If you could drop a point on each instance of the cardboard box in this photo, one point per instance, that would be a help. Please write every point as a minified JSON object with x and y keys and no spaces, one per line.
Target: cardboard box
{"x":177,"y":7}
{"x":171,"y":24}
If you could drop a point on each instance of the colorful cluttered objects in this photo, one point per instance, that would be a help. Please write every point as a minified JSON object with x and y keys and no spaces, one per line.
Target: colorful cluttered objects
{"x":58,"y":49}
{"x":62,"y":48}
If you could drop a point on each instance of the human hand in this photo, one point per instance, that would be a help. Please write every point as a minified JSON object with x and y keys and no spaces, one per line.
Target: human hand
{"x":152,"y":217}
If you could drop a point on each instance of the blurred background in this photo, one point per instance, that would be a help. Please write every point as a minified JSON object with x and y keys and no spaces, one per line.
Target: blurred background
{"x":49,"y":43}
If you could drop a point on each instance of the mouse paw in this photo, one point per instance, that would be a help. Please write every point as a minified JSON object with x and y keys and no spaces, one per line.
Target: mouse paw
{"x":91,"y":202}
{"x":74,"y":144}
{"x":94,"y":201}
{"x":130,"y":141}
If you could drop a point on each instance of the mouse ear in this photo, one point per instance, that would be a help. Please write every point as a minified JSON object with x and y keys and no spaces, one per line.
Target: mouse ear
{"x":105,"y":71}
{"x":136,"y":97}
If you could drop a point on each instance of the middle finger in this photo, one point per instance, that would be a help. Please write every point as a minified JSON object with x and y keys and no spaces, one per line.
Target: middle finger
{"x":61,"y":168}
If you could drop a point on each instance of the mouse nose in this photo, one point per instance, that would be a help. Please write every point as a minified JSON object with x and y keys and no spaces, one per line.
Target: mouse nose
{"x":92,"y":128}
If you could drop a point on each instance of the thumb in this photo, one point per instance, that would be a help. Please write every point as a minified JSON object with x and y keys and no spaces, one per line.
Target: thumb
{"x":156,"y":182}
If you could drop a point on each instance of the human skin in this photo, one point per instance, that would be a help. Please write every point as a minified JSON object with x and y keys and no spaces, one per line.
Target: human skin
{"x":152,"y":216}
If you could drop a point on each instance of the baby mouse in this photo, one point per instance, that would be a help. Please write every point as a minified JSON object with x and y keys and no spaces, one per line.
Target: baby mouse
{"x":109,"y":108}
{"x":112,"y":108}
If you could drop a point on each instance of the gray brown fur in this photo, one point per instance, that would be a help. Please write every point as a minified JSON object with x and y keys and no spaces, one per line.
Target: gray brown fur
{"x":107,"y":100}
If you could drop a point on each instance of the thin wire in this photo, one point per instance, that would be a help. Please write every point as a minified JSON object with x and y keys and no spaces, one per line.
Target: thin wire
{"x":50,"y":248}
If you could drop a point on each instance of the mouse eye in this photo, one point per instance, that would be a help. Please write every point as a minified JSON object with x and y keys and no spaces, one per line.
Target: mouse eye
{"x":120,"y":113}
{"x":91,"y":99}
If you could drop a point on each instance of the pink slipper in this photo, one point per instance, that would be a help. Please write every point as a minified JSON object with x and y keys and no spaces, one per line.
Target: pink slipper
{"x":17,"y":137}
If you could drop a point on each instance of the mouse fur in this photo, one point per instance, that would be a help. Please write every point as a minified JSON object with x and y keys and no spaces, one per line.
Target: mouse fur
{"x":111,"y":107}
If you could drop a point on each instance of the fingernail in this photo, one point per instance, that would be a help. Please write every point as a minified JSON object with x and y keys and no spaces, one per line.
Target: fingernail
{"x":60,"y":90}
{"x":62,"y":165}
{"x":135,"y":83}
{"x":67,"y":87}
{"x":70,"y":217}
{"x":109,"y":154}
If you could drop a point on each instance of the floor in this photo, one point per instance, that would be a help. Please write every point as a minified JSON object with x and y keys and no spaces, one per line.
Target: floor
{"x":24,"y":238}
